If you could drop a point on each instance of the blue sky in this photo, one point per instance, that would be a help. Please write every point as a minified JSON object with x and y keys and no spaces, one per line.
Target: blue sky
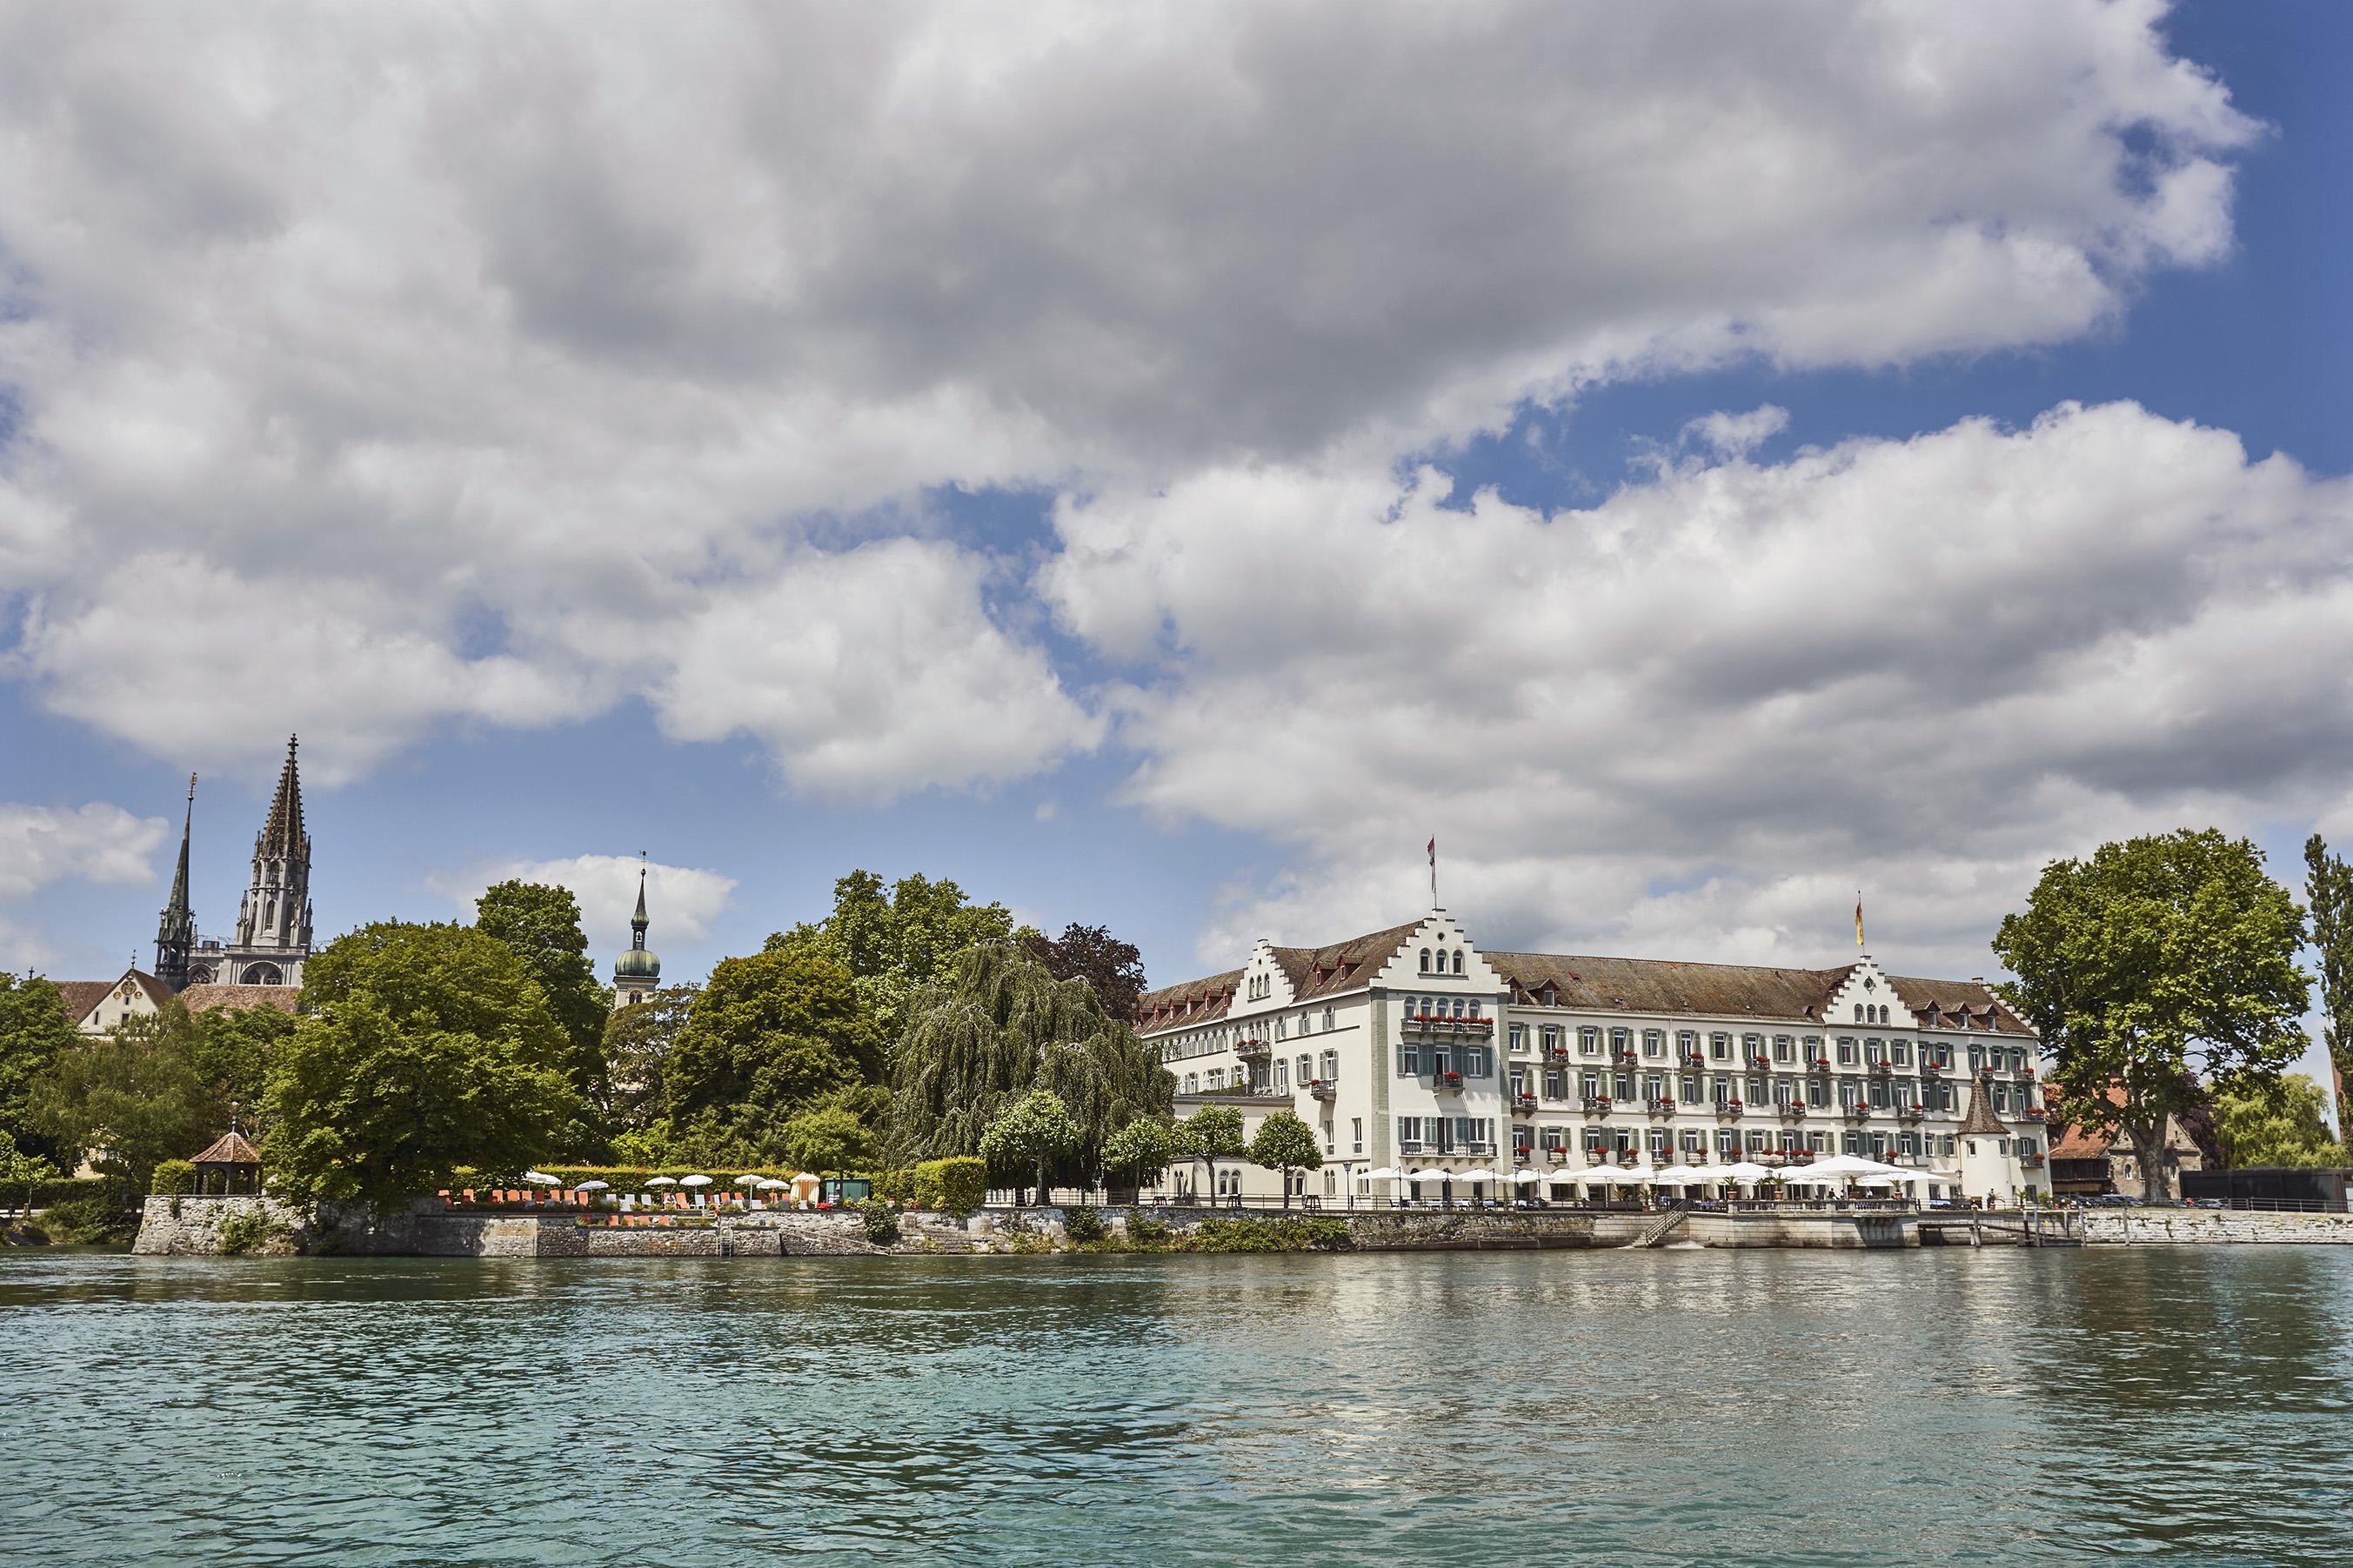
{"x":1000,"y":485}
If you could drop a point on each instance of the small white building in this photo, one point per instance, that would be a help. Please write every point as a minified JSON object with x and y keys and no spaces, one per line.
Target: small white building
{"x":1412,"y":1048}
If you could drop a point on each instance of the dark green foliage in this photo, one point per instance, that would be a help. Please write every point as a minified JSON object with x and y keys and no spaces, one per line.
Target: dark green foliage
{"x":637,"y":1045}
{"x":1141,"y":1150}
{"x":430,"y":1047}
{"x":232,"y":1049}
{"x":1114,"y":968}
{"x":33,"y":1031}
{"x":174,"y":1178}
{"x":1144,"y":1234}
{"x":2157,"y":958}
{"x":97,"y":1219}
{"x":133,"y":1094}
{"x":830,"y":1138}
{"x":2328,"y":885}
{"x":1029,"y":1137}
{"x":882,"y":1222}
{"x":540,"y":925}
{"x":1083,"y":1225}
{"x":253,"y":1231}
{"x":2276,"y":1121}
{"x":1285,"y":1143}
{"x":768,"y":1037}
{"x":1271,"y":1235}
{"x":895,"y":943}
{"x":1214,"y":1133}
{"x":957,"y":1185}
{"x":999,"y":1027}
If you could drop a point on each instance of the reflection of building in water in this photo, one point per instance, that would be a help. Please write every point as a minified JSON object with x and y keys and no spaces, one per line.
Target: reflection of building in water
{"x":1411,"y":1049}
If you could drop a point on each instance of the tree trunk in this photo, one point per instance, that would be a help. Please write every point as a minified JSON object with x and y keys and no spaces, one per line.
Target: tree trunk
{"x":1286,"y":1190}
{"x":2149,"y":1149}
{"x":1044,"y":1198}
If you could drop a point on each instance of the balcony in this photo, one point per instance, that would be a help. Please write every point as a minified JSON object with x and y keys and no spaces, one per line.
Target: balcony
{"x":1729,"y":1108}
{"x":1795,"y":1108}
{"x":1433,"y":1025}
{"x":1880,"y":1069}
{"x":1929,"y":1067}
{"x":1555,"y":1156}
{"x":1760,"y":1060}
{"x":1557,"y":1052}
{"x":1596,"y":1105}
{"x":1446,"y":1083}
{"x":1253,"y":1050}
{"x":1855,"y":1112}
{"x":2032,"y":1162}
{"x":1323,"y":1088}
{"x":1659,"y":1107}
{"x":1523,"y":1105}
{"x":1912,"y":1112}
{"x":1694,"y":1059}
{"x":2026,"y":1072}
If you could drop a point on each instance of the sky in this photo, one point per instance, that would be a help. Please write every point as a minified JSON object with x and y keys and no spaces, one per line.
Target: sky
{"x":1159,"y":468}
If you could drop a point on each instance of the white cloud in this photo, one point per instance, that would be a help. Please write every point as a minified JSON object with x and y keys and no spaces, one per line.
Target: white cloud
{"x":681,"y":901}
{"x":1738,"y":435}
{"x":1696,"y":717}
{"x":413,"y":369}
{"x":95,"y":843}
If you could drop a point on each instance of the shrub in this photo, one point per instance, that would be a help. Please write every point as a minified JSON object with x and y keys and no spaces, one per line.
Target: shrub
{"x":896,"y":1186}
{"x":881,"y":1221}
{"x":93,"y":1220}
{"x":1142,"y":1232}
{"x":251,"y":1231}
{"x":1271,"y":1235}
{"x":955,"y":1185}
{"x":1083,"y":1225}
{"x":174,"y":1178}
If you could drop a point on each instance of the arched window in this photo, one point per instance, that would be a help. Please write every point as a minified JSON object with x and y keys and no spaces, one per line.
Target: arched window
{"x":1458,"y":960}
{"x":261,"y":975}
{"x":1425,"y":961}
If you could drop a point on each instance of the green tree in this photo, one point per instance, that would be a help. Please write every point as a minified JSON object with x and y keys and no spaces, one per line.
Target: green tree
{"x":2328,"y":884}
{"x":2276,"y":1121}
{"x":424,"y":1048}
{"x":1114,"y":968}
{"x":638,"y":1041}
{"x":541,"y":924}
{"x":830,"y":1138}
{"x":897,"y":941}
{"x":766,"y":1038}
{"x":1034,"y":1133}
{"x":21,"y":1172}
{"x":2155,"y":958}
{"x":33,"y":1031}
{"x":232,"y":1050}
{"x":998,"y":1025}
{"x":1285,"y":1143}
{"x":370,"y":1106}
{"x":132,"y":1095}
{"x":1144,"y":1147}
{"x":1216,"y":1133}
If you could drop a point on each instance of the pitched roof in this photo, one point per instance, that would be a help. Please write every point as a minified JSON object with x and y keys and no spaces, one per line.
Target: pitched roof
{"x":1342,"y":965}
{"x":205,"y":998}
{"x":1208,"y":998}
{"x":1668,"y":985}
{"x":2075,"y":1143}
{"x":1948,"y":997}
{"x":231,"y":1150}
{"x":81,"y":995}
{"x":1980,"y":1119}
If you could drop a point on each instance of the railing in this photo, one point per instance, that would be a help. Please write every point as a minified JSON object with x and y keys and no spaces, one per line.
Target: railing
{"x":1595,"y":1105}
{"x":1729,"y":1108}
{"x":1323,"y":1088}
{"x":1446,"y":1083}
{"x":1253,"y":1050}
{"x":1523,"y":1104}
{"x":1431,"y":1024}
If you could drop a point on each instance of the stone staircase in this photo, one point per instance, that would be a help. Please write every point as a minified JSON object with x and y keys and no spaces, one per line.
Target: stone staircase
{"x":1655,"y":1233}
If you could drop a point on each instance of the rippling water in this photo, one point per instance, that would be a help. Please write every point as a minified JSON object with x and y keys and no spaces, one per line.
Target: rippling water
{"x":1667,"y":1407}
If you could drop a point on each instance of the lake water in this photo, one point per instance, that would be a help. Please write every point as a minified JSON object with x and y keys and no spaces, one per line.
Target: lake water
{"x":1401,"y":1409}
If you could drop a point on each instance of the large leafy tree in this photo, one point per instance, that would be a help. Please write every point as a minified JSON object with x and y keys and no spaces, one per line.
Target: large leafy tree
{"x":830,"y":1138}
{"x":541,"y":925}
{"x":895,"y":941}
{"x":2156,"y":959}
{"x":133,"y":1095}
{"x":999,"y":1027}
{"x":1142,"y":1149}
{"x":1036,"y":1133}
{"x":1114,"y":968}
{"x":2328,"y":885}
{"x":424,"y":1048}
{"x":1214,"y":1132}
{"x":638,"y":1041}
{"x":767,"y":1037}
{"x":1285,"y":1143}
{"x":2276,"y":1121}
{"x":33,"y":1032}
{"x":232,"y":1050}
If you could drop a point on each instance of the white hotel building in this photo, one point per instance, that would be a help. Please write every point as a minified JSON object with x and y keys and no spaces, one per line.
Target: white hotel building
{"x":1410,"y":1048}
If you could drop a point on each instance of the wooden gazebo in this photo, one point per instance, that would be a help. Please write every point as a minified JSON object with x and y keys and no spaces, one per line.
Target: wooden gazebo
{"x":231,"y":1165}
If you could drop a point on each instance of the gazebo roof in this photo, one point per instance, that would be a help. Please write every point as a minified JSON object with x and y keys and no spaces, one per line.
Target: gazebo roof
{"x":232,"y":1149}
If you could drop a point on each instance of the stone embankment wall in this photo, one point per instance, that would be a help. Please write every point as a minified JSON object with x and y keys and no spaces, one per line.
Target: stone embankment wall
{"x":2211,"y":1226}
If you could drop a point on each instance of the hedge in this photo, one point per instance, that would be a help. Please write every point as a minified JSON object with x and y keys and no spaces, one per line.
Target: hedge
{"x":57,"y":1190}
{"x":954,"y":1186}
{"x":174,"y":1178}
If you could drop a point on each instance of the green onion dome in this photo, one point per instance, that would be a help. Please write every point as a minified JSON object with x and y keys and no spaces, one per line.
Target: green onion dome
{"x":636,"y":963}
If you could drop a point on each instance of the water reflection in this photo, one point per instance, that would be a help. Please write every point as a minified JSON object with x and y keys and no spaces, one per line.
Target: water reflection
{"x":1668,"y":1406}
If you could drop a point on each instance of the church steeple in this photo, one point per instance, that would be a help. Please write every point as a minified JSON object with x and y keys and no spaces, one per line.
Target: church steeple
{"x":175,"y":933}
{"x":273,"y":923}
{"x":637,"y":973}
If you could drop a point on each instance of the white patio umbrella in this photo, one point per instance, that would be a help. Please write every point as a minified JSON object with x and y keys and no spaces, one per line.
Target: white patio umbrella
{"x":1838,"y":1168}
{"x":542,"y":1178}
{"x":1430,"y":1173}
{"x":1742,"y":1172}
{"x":661,"y":1181}
{"x":774,"y":1184}
{"x":1478,"y":1173}
{"x":1680,"y":1176}
{"x":1384,"y":1174}
{"x":1524,"y":1178}
{"x":593,"y":1187}
{"x":697,"y":1180}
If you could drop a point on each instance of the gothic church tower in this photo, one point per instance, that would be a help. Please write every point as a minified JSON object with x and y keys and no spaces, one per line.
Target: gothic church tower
{"x":175,"y":933}
{"x":273,"y":922}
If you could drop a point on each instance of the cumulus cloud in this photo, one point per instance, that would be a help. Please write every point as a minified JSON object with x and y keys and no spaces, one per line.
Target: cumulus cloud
{"x":495,"y":366}
{"x":95,"y":843}
{"x":1738,"y":435}
{"x":1696,"y":717}
{"x":681,"y":901}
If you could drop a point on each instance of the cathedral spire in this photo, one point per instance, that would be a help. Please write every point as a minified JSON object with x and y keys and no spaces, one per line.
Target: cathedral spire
{"x":175,"y":933}
{"x":283,"y":833}
{"x":273,"y":923}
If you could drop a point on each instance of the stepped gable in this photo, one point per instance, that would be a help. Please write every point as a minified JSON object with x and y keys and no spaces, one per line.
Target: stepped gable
{"x":1939,"y":1002}
{"x":1668,"y":985}
{"x":1342,"y":965}
{"x":1207,"y":998}
{"x":205,"y":998}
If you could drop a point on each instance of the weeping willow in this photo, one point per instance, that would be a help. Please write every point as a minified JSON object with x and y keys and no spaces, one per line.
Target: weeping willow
{"x":997,"y":1026}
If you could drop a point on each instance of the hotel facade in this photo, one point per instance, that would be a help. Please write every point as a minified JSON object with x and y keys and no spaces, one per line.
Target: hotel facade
{"x":1413,"y":1049}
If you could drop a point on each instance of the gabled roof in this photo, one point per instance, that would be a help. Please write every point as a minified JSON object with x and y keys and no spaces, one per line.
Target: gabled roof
{"x":1209,"y":998}
{"x":82,"y":996}
{"x":231,"y":1150}
{"x":1948,"y":999}
{"x":1342,"y":965}
{"x":1668,"y":985}
{"x":205,"y":998}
